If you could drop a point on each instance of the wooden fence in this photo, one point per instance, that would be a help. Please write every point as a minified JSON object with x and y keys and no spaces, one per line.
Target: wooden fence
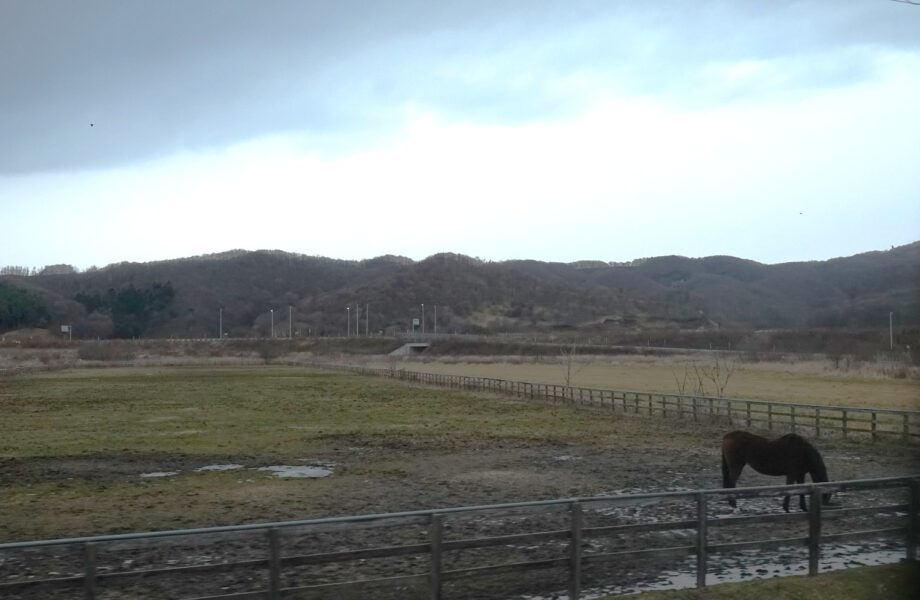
{"x":815,"y":419}
{"x":583,"y":535}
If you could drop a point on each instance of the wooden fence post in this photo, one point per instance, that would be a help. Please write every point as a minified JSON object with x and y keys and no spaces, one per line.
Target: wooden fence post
{"x":770,"y":416}
{"x":748,"y":418}
{"x":817,"y":422}
{"x":792,"y":416}
{"x":913,"y":520}
{"x":274,"y":564}
{"x":874,"y":426}
{"x":89,"y":571}
{"x":814,"y":530}
{"x":844,"y":424}
{"x":575,"y":552}
{"x":701,"y":557}
{"x":435,"y":533}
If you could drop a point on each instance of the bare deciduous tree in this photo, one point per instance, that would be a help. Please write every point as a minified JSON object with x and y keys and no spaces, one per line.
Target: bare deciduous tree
{"x":719,"y":372}
{"x":695,"y":380}
{"x":570,"y":366}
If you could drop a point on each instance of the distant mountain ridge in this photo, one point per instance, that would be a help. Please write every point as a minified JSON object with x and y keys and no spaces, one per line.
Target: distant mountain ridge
{"x":248,"y":291}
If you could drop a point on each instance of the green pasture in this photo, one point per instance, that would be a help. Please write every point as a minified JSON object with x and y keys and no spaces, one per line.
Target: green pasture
{"x":248,"y":410}
{"x":74,"y":443}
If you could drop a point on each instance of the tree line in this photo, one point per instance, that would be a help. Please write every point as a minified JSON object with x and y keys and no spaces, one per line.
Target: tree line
{"x":131,"y":308}
{"x":21,"y":308}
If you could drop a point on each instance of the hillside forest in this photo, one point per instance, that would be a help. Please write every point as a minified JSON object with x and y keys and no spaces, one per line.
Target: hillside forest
{"x":280,"y":294}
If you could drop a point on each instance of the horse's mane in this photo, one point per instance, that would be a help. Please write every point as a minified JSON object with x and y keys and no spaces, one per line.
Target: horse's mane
{"x":815,"y":463}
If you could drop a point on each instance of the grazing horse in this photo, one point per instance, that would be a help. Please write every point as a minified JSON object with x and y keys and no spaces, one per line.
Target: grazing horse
{"x":791,"y":455}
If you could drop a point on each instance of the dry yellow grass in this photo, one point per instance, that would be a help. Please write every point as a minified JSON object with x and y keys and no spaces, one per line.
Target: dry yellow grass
{"x":803,"y":382}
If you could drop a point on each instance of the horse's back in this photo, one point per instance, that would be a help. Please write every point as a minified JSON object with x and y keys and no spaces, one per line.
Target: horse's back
{"x":741,"y":439}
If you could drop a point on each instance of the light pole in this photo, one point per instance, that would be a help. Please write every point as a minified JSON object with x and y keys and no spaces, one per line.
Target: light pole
{"x":891,"y":331}
{"x":423,"y":319}
{"x":272,"y":311}
{"x":348,"y":321}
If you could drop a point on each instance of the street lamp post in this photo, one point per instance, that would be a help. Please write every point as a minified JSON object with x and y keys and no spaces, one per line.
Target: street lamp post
{"x":891,"y":331}
{"x":348,"y":321}
{"x":272,"y":311}
{"x":423,"y":319}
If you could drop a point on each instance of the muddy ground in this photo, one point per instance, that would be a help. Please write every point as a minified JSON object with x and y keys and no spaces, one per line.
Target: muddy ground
{"x":378,"y":475}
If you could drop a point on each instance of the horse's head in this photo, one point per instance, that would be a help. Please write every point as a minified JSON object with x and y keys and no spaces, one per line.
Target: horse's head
{"x":815,"y":464}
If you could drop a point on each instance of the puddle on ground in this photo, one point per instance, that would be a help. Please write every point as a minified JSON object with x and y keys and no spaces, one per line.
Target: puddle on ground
{"x":313,"y":470}
{"x":737,"y":566}
{"x":218,"y":468}
{"x":307,"y":471}
{"x":753,"y":564}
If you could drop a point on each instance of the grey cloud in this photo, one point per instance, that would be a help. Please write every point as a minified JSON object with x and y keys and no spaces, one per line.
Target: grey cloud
{"x":159,"y":77}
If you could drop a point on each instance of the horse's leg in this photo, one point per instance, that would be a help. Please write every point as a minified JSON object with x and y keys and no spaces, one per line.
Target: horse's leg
{"x":802,"y":496}
{"x":790,"y":479}
{"x":730,"y":475}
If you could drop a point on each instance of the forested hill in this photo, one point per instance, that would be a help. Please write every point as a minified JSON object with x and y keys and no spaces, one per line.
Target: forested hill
{"x":313,"y":295}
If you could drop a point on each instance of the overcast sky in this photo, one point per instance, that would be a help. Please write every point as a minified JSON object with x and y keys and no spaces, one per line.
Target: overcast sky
{"x":775,"y":131}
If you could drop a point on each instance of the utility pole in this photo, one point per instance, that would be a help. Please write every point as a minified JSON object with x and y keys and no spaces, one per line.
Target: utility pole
{"x":423,"y":319}
{"x":348,"y":321}
{"x":272,"y":310}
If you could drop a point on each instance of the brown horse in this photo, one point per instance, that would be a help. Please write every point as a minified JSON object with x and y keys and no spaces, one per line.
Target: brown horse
{"x":791,"y":455}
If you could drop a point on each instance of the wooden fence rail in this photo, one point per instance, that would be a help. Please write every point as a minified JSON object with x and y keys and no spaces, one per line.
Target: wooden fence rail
{"x":817,"y":419}
{"x":281,"y":554}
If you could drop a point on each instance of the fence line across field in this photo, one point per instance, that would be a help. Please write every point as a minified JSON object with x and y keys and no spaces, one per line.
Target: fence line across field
{"x":762,"y":414}
{"x":279,"y":539}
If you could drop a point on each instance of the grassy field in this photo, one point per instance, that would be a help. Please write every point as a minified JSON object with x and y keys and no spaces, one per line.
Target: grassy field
{"x":74,"y":444}
{"x":803,"y":382}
